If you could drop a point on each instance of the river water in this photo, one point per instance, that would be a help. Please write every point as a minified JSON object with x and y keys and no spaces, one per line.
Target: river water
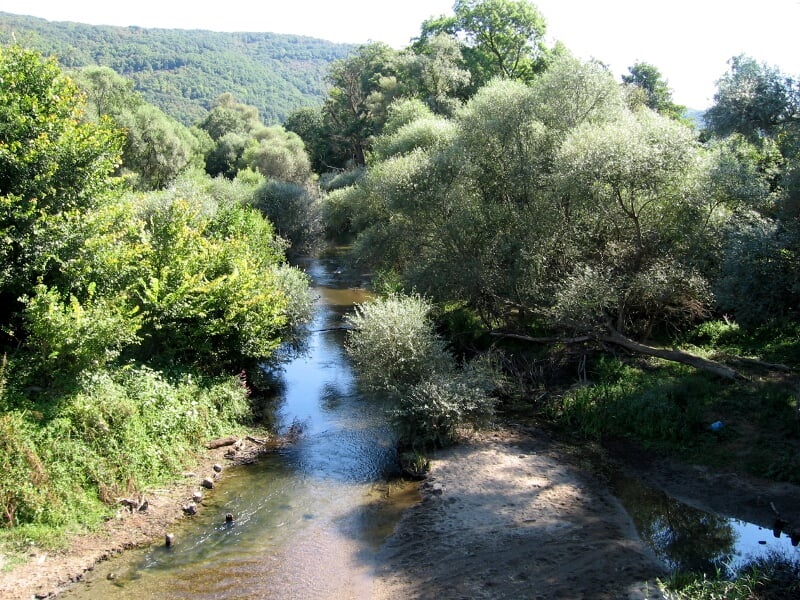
{"x":308,"y":518}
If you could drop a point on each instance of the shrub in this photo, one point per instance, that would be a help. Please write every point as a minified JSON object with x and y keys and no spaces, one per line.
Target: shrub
{"x":294,"y":211}
{"x":396,"y":350}
{"x":393,"y":345}
{"x":67,"y":336}
{"x":431,"y":413}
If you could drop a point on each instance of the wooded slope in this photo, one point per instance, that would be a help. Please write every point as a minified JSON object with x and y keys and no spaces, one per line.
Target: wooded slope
{"x":183,"y":71}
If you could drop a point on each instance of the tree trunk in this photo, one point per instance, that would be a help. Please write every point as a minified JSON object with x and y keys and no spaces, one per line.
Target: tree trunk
{"x":220,"y":442}
{"x":617,"y":338}
{"x":679,"y":356}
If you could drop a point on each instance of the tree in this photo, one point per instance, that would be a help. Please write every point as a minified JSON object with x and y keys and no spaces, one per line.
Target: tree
{"x":755,"y":100}
{"x":229,"y":116}
{"x":157,"y":147}
{"x":309,"y":124}
{"x":356,"y":93}
{"x":503,"y":37}
{"x":434,"y":72}
{"x":759,"y":278}
{"x":107,"y":92}
{"x":658,"y":95}
{"x":53,"y":164}
{"x":278,"y":154}
{"x":637,"y":220}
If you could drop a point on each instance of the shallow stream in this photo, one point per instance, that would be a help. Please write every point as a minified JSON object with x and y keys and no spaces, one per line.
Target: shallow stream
{"x":309,"y":519}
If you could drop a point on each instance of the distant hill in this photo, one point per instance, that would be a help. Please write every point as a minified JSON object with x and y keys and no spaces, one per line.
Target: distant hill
{"x":696,"y":116}
{"x":183,"y":71}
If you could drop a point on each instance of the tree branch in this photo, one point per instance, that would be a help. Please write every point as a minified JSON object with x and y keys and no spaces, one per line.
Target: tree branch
{"x":679,"y":356}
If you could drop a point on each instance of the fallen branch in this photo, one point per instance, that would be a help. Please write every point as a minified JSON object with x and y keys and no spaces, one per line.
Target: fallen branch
{"x":220,"y":442}
{"x":618,"y":339}
{"x":679,"y":356}
{"x":760,"y":363}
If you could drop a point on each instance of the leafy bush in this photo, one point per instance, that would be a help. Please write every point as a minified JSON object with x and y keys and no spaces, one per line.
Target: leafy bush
{"x":210,"y":294}
{"x":294,"y":211}
{"x":119,"y":433}
{"x":393,"y":344}
{"x":67,"y":337}
{"x":396,"y":350}
{"x":431,"y":413}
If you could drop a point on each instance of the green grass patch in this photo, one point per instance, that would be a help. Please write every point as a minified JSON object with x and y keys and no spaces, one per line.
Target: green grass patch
{"x":772,"y":577}
{"x":63,"y":468}
{"x":671,"y":407}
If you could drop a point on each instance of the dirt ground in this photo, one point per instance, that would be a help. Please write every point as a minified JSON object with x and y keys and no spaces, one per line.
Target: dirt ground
{"x":508,"y":513}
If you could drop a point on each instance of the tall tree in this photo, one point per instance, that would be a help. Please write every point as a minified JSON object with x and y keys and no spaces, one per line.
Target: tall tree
{"x":502,"y":37}
{"x":357,"y":90}
{"x":657,"y":94}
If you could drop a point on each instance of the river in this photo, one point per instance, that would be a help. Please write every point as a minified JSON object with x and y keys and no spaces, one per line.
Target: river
{"x":309,"y":518}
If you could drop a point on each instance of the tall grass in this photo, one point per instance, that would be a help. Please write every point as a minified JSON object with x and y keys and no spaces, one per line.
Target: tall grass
{"x":118,"y":432}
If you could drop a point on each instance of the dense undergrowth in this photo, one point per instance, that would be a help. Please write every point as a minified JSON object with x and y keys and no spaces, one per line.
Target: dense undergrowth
{"x":672,"y":407}
{"x":67,"y":459}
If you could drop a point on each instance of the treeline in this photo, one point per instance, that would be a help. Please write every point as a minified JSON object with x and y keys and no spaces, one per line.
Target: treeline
{"x":543,"y":208}
{"x":480,"y":167}
{"x":183,"y":72}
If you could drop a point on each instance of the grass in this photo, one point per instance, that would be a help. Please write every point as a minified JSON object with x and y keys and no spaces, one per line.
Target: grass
{"x":65,"y":460}
{"x":671,"y":407}
{"x":775,"y":577}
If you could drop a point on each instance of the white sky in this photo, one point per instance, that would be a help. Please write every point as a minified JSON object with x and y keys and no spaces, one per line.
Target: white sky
{"x":690,"y":41}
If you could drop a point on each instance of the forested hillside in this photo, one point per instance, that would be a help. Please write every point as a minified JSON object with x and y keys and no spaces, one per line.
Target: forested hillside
{"x":183,"y":71}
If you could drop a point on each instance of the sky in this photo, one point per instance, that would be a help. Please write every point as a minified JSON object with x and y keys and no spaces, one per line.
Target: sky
{"x":689,"y":41}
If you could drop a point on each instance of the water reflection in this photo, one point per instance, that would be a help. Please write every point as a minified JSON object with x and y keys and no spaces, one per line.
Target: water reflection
{"x":690,"y":540}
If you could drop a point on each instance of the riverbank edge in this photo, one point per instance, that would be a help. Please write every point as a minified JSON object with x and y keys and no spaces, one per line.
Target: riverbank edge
{"x":47,"y":574}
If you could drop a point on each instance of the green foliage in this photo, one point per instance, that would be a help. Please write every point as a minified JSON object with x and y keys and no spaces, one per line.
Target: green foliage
{"x":157,"y":148}
{"x":359,"y":95}
{"x":395,"y":350}
{"x":120,"y":432}
{"x":433,"y":411}
{"x":627,"y":401}
{"x":182,"y":72}
{"x":393,"y":345}
{"x":211,"y":293}
{"x":774,"y":576}
{"x":426,"y":134}
{"x":755,"y":100}
{"x":503,"y":37}
{"x":278,"y":154}
{"x":308,"y":123}
{"x":51,"y":165}
{"x":67,"y":336}
{"x":760,"y":277}
{"x":294,"y":211}
{"x":658,"y":96}
{"x":432,"y":71}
